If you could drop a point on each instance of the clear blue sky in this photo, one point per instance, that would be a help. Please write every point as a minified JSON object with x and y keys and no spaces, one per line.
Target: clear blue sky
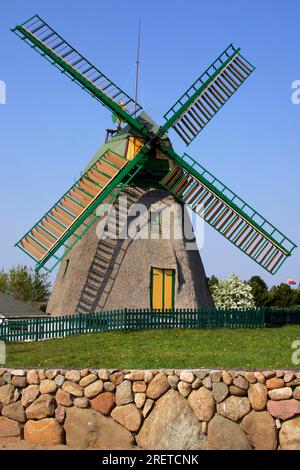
{"x":50,"y":128}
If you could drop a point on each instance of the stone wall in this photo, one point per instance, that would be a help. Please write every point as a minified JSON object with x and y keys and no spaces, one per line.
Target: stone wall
{"x":152,"y":409}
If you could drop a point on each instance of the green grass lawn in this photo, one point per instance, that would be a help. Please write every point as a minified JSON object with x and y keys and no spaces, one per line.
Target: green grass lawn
{"x":249,"y":348}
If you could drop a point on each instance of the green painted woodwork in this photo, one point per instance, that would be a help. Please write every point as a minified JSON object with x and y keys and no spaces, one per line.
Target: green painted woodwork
{"x":223,"y":193}
{"x":75,"y":75}
{"x":34,"y":329}
{"x":122,"y":179}
{"x":187,"y":101}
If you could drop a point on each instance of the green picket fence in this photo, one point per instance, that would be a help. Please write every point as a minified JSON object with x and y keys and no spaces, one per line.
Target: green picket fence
{"x":34,"y":329}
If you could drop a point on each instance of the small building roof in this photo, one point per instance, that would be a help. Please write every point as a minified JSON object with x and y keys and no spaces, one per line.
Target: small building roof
{"x":13,"y":308}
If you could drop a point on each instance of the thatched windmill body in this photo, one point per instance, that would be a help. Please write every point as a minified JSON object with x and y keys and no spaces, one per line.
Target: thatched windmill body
{"x":140,"y":163}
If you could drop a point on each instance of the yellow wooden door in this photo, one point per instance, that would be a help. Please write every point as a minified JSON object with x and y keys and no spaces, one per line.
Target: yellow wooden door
{"x":168,"y":288}
{"x":157,"y":288}
{"x":162,"y":287}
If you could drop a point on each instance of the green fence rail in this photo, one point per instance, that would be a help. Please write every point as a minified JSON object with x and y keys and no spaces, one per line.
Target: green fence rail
{"x":34,"y":329}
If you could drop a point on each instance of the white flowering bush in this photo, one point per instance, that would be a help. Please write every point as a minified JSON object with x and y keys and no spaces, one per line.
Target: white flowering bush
{"x":232,"y":293}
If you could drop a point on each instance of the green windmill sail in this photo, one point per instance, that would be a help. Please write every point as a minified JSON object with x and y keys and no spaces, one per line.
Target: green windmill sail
{"x":48,"y":240}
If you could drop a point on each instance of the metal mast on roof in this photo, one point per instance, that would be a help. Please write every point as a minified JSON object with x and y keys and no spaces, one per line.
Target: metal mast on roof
{"x":137,"y":65}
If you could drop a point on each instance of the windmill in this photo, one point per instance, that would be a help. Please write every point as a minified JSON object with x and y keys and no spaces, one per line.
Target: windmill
{"x":147,"y":160}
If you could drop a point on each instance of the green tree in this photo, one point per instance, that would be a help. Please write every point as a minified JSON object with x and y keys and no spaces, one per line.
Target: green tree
{"x":233,"y":293}
{"x":20,"y":283}
{"x":281,"y":296}
{"x":211,"y":282}
{"x":259,"y":291}
{"x":296,"y":297}
{"x":41,"y":287}
{"x":25,"y":284}
{"x":3,"y":282}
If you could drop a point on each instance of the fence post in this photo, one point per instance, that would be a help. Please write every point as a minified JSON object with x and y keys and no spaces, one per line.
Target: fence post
{"x":36,"y":326}
{"x":125,"y":318}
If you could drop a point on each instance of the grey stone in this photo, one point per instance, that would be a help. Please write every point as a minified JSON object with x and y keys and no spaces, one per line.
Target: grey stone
{"x":41,"y":408}
{"x":148,"y":376}
{"x":203,"y":404}
{"x":86,"y":428}
{"x":196,"y":384}
{"x":148,"y":407}
{"x":139,"y":399}
{"x":19,"y":381}
{"x":171,"y":425}
{"x":10,"y":429}
{"x":269,"y":374}
{"x":59,"y":380}
{"x":51,"y":374}
{"x":7,"y":377}
{"x":81,"y":402}
{"x":173,"y":381}
{"x":14,"y":411}
{"x":72,"y":388}
{"x":289,"y":435}
{"x":261,"y":430}
{"x":157,"y":386}
{"x":296,"y":393}
{"x":220,"y":391}
{"x":109,"y":387}
{"x":93,"y":389}
{"x":87,"y":380}
{"x":201,"y":374}
{"x":73,"y":375}
{"x":184,"y":388}
{"x":241,"y":382}
{"x":33,"y":377}
{"x":207,"y":382}
{"x":281,"y":393}
{"x":227,"y":379}
{"x":48,"y":386}
{"x":29,"y":395}
{"x":7,"y":394}
{"x":258,"y":395}
{"x":288,"y":377}
{"x":19,"y":372}
{"x":124,"y":394}
{"x":103,"y":375}
{"x":60,"y":414}
{"x":260,"y":377}
{"x":234,"y":408}
{"x":187,"y":376}
{"x":224,"y":434}
{"x":239,"y":392}
{"x":216,"y":376}
{"x":128,"y":416}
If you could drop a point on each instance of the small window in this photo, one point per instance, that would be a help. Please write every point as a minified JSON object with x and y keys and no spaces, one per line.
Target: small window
{"x":66,"y":267}
{"x":155,"y":223}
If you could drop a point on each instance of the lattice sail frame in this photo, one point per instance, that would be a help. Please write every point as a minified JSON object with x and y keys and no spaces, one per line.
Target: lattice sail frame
{"x":208,"y":94}
{"x":40,"y":36}
{"x":226,"y":212}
